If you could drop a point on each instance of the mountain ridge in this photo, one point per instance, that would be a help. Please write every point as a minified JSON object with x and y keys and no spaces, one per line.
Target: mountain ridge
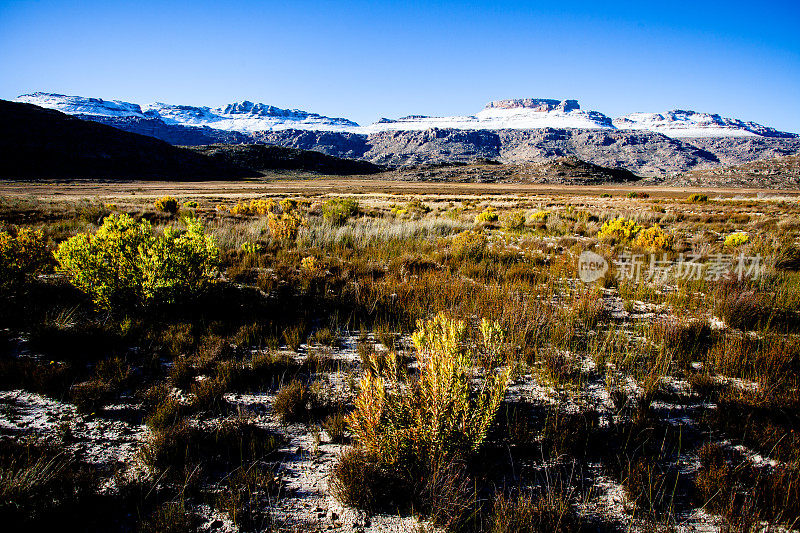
{"x":521,"y":113}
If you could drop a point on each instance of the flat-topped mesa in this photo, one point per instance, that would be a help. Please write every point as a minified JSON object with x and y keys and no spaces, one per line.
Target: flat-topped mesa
{"x":535,"y":104}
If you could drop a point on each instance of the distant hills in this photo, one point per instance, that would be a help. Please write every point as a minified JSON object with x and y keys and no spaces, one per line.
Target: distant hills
{"x":518,"y":131}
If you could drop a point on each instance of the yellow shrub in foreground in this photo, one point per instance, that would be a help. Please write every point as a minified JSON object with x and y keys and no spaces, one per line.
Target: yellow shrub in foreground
{"x":440,"y":414}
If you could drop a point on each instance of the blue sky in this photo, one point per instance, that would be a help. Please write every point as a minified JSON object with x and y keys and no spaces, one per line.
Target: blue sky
{"x":364,"y":60}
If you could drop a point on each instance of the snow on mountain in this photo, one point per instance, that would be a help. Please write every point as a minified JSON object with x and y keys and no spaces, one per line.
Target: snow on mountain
{"x":679,"y":123}
{"x":245,"y":117}
{"x":520,"y":114}
{"x":79,"y":105}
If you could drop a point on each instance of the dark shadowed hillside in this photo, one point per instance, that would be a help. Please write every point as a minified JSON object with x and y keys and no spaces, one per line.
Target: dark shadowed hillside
{"x":259,"y":157}
{"x":42,"y":143}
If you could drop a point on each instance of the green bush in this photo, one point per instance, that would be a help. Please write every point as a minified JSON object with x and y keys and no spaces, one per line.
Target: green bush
{"x":634,"y":194}
{"x":22,"y":253}
{"x":167,"y":204}
{"x":338,"y":210}
{"x":126,"y":263}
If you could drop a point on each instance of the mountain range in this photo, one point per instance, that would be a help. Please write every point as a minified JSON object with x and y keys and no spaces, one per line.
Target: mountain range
{"x":510,"y":131}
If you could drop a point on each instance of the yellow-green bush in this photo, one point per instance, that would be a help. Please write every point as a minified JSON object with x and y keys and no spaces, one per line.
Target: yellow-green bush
{"x":22,"y":253}
{"x":487,"y":215}
{"x":125,"y":262}
{"x":513,"y":221}
{"x":736,"y":239}
{"x":619,"y":230}
{"x":337,"y":210}
{"x":168,"y":204}
{"x":654,"y":238}
{"x":441,"y":414}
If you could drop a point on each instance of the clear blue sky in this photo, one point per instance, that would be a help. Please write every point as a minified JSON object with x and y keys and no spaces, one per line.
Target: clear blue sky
{"x":364,"y":60}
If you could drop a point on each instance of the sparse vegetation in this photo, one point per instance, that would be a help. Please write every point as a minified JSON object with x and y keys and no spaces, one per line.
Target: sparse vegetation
{"x":165,"y":373}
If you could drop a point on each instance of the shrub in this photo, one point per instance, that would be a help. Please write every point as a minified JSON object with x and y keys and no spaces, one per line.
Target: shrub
{"x":337,"y":210}
{"x":22,"y":253}
{"x":361,"y":480}
{"x":124,"y":262}
{"x":167,"y":204}
{"x":486,"y":216}
{"x":698,"y":198}
{"x":284,"y":227}
{"x":191,"y":204}
{"x":513,"y":221}
{"x":605,"y":195}
{"x":540,"y":217}
{"x":634,"y":194}
{"x":470,"y":245}
{"x":440,"y":414}
{"x":619,"y":230}
{"x":263,"y":207}
{"x":654,"y":238}
{"x":414,"y":208}
{"x":737,"y":239}
{"x":309,"y":264}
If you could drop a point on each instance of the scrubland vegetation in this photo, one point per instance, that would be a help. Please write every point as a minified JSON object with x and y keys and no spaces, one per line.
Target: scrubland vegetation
{"x":369,"y":362}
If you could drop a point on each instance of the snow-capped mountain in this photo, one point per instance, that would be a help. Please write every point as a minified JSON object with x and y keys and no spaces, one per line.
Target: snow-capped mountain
{"x":245,"y":117}
{"x":519,"y":114}
{"x":679,"y":123}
